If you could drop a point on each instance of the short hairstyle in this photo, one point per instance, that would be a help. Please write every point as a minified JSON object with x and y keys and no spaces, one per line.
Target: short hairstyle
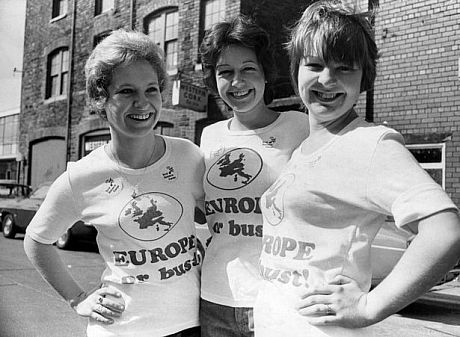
{"x":242,"y":31}
{"x":334,"y":32}
{"x":121,"y":47}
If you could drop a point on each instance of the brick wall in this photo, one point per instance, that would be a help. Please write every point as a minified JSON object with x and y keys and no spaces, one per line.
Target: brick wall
{"x":417,"y":88}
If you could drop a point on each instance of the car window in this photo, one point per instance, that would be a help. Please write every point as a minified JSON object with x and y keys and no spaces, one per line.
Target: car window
{"x":13,"y":190}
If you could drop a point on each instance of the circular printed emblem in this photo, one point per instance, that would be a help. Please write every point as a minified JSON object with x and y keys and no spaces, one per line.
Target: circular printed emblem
{"x":150,"y":216}
{"x":274,"y":199}
{"x":235,"y":169}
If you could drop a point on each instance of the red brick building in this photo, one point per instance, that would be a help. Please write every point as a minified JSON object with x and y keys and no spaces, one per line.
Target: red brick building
{"x":417,"y":87}
{"x":55,"y":124}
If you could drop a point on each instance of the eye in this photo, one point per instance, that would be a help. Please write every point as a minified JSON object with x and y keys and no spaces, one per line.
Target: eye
{"x":224,"y":72}
{"x":249,"y":68}
{"x":345,"y":69}
{"x":314,"y":66}
{"x":125,"y":91}
{"x":152,"y":90}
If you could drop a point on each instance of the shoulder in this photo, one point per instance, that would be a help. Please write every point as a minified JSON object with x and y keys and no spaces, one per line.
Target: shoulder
{"x":216,"y":127}
{"x":294,"y":119}
{"x":88,"y":166}
{"x":370,"y":132}
{"x":182,"y":147}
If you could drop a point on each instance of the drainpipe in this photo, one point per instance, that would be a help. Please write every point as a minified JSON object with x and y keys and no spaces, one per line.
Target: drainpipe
{"x":131,"y":9}
{"x":69,"y":84}
{"x":372,"y":5}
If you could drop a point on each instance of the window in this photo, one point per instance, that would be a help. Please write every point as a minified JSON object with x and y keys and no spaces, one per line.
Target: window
{"x":214,"y":12}
{"x":432,"y":158}
{"x":103,"y":6}
{"x":163,"y":28}
{"x":57,"y":73}
{"x":93,"y":140}
{"x":9,"y":135}
{"x":59,"y":8}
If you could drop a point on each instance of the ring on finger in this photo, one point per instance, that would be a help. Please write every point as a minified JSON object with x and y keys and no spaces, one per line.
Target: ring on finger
{"x":329,"y":310}
{"x":100,"y":299}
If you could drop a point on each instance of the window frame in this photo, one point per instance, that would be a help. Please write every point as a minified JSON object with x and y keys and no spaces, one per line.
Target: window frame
{"x":438,"y":165}
{"x":99,"y":6}
{"x":63,"y":83}
{"x":162,"y":16}
{"x":221,"y":12}
{"x":56,"y":13}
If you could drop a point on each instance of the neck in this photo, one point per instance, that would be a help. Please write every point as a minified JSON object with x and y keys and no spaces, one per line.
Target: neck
{"x":253,"y":120}
{"x":136,"y":153}
{"x":332,"y":127}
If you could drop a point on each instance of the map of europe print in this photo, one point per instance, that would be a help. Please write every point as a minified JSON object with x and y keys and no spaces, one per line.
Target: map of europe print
{"x":150,"y":216}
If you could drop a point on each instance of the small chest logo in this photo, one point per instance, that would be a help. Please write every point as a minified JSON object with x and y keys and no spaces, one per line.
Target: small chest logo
{"x":169,"y":173}
{"x":235,"y":169}
{"x":113,"y":186}
{"x":270,"y":142}
{"x":273,"y":199}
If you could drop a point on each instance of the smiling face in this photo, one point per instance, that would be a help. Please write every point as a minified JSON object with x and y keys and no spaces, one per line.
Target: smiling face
{"x":240,"y":80}
{"x":329,"y":91}
{"x":134,"y":103}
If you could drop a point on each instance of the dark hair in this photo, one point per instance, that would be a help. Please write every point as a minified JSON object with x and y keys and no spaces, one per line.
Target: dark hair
{"x":334,"y":32}
{"x":243,"y":31}
{"x":121,"y":47}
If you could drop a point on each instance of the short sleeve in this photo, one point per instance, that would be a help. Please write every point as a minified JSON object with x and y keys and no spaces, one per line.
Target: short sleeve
{"x":56,"y":214}
{"x":399,"y":186}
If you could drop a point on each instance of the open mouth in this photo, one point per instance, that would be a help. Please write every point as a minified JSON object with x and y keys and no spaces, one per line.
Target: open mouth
{"x":240,"y":94}
{"x":140,"y":117}
{"x":327,"y":96}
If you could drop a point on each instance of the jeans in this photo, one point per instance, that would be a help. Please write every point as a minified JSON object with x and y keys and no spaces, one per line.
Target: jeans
{"x":192,"y":332}
{"x":221,"y":321}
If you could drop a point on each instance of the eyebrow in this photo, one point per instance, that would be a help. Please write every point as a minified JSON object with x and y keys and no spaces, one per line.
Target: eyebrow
{"x":228,"y":65}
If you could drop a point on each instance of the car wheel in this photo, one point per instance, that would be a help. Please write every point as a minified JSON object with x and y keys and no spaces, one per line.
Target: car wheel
{"x":9,"y":228}
{"x":64,"y":241}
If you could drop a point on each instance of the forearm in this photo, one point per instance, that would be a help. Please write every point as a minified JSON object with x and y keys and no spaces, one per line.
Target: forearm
{"x":431,"y":254}
{"x":48,"y":263}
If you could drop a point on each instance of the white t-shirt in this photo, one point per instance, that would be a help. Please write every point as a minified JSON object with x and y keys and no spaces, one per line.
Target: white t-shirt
{"x":322,"y":214}
{"x":147,"y":240}
{"x":240,"y":166}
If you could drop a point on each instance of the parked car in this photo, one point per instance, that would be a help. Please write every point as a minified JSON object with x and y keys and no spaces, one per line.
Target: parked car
{"x":17,"y":211}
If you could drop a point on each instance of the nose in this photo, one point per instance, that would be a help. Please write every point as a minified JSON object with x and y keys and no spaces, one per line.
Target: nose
{"x":238,"y":79}
{"x":327,"y":77}
{"x":141,"y":101}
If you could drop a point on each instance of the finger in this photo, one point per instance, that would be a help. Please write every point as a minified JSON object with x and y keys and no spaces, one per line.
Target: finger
{"x":340,"y":279}
{"x":100,"y":318}
{"x":313,"y":300}
{"x":317,"y":310}
{"x":108,"y":291}
{"x":323,"y":320}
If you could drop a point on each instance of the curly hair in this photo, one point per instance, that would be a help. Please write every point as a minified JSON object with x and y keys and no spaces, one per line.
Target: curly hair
{"x":239,"y":30}
{"x":121,"y":47}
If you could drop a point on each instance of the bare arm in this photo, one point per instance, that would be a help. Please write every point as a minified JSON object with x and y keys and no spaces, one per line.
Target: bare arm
{"x":100,"y":305}
{"x":431,"y":254}
{"x":435,"y":249}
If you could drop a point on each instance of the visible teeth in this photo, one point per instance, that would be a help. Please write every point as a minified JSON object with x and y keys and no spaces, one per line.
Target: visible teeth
{"x":326,"y":95}
{"x":142,"y":117}
{"x":240,"y":93}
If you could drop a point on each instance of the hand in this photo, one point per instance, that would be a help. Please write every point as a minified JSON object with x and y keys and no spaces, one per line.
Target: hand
{"x":102,"y":305}
{"x":341,"y":302}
